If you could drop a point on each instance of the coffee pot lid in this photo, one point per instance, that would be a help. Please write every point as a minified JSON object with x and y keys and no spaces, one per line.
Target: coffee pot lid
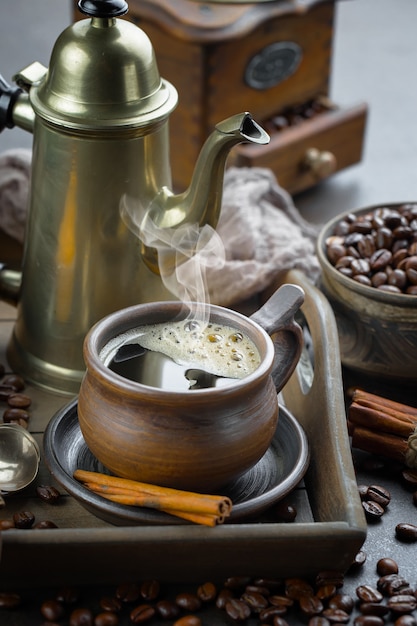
{"x":103,"y":74}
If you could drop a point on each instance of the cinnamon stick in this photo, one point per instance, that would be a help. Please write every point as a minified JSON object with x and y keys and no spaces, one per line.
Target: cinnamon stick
{"x":362,"y":396}
{"x":200,"y":508}
{"x":381,"y":444}
{"x":377,"y":418}
{"x":384,"y":427}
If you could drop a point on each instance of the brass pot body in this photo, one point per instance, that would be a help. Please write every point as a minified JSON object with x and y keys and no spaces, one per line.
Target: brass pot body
{"x":81,"y":260}
{"x":377,"y":330}
{"x":198,"y":440}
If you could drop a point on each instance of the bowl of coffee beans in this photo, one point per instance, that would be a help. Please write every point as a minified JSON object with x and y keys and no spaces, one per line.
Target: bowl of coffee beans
{"x":368,"y":259}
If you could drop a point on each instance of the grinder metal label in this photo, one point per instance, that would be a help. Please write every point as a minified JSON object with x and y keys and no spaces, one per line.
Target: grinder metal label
{"x":273,"y":64}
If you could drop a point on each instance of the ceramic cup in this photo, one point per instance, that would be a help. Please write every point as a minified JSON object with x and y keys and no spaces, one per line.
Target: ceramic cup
{"x":197,"y":440}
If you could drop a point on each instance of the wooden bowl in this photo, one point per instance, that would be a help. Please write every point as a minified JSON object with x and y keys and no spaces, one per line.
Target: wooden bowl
{"x":377,"y":330}
{"x":196,"y":440}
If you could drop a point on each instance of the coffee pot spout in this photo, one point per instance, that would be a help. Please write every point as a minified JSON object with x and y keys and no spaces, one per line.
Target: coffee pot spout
{"x":201,"y":203}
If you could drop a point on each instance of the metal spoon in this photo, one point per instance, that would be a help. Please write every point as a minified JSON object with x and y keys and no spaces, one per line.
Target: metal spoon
{"x":19,"y":458}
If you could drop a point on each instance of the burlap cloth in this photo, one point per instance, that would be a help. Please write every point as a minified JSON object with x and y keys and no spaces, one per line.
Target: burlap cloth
{"x":263,"y":232}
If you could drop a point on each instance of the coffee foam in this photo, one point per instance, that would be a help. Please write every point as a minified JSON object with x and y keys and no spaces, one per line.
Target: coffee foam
{"x":214,"y":348}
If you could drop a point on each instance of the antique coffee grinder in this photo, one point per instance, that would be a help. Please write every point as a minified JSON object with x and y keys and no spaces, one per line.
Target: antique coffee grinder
{"x":273,"y":57}
{"x":99,"y":116}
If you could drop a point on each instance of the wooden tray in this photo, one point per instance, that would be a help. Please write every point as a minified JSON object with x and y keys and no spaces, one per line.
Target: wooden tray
{"x":330,"y":527}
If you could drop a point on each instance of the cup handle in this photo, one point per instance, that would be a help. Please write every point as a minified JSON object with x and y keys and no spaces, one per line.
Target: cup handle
{"x":276,"y":317}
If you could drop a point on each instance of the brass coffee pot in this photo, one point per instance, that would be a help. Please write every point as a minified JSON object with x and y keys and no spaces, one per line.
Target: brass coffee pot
{"x":99,"y":117}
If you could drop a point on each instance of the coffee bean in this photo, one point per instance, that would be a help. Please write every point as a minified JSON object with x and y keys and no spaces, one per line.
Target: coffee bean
{"x":168,"y":609}
{"x":325,"y":592}
{"x":374,"y":608}
{"x":296,"y":588}
{"x":15,"y":381}
{"x":6,"y":391}
{"x":23,"y":519}
{"x":43,"y":524}
{"x":268,"y":614}
{"x":336,"y":616}
{"x":81,"y":617}
{"x":373,"y":510}
{"x":368,"y":620}
{"x":279,"y":621}
{"x":380,"y":259}
{"x":258,"y":589}
{"x":389,"y":288}
{"x":188,"y":601}
{"x":224,"y":596}
{"x":360,"y":266}
{"x":9,"y":599}
{"x":14,"y":413}
{"x":342,"y":601}
{"x":269,"y":583}
{"x":207,"y":592}
{"x":406,"y":532}
{"x":52,"y":610}
{"x":280,"y":601}
{"x":19,"y":400}
{"x":111,"y":604}
{"x":378,"y":279}
{"x":256,"y":601}
{"x":318,"y":620}
{"x":142,"y":614}
{"x":2,"y":369}
{"x":107,"y":618}
{"x":330,"y":577}
{"x":398,"y":278}
{"x":128,"y":592}
{"x":358,"y":561}
{"x":188,"y":620}
{"x":237,"y":582}
{"x":361,"y":278}
{"x":391,"y":584}
{"x":386,"y":566}
{"x":335,"y":252}
{"x":405,"y":620}
{"x":149,"y":590}
{"x":379,"y":494}
{"x":310,"y":605}
{"x":237,"y":610}
{"x":47,"y":493}
{"x":402,"y":603}
{"x":366,"y":593}
{"x":67,"y":595}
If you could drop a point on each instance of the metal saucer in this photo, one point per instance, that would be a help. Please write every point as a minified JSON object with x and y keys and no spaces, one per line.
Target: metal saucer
{"x":276,"y":474}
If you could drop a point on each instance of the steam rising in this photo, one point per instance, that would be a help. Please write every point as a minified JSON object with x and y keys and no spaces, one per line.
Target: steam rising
{"x":184,"y":254}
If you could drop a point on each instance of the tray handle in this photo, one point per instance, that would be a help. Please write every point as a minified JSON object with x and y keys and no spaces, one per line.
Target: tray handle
{"x":314,"y":389}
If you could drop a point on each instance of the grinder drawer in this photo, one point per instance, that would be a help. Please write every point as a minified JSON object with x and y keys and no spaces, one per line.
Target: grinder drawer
{"x":309,"y":150}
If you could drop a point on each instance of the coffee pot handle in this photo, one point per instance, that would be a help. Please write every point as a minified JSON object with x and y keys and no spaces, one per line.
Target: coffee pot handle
{"x":276,"y":317}
{"x":10,"y":281}
{"x":8,"y":97}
